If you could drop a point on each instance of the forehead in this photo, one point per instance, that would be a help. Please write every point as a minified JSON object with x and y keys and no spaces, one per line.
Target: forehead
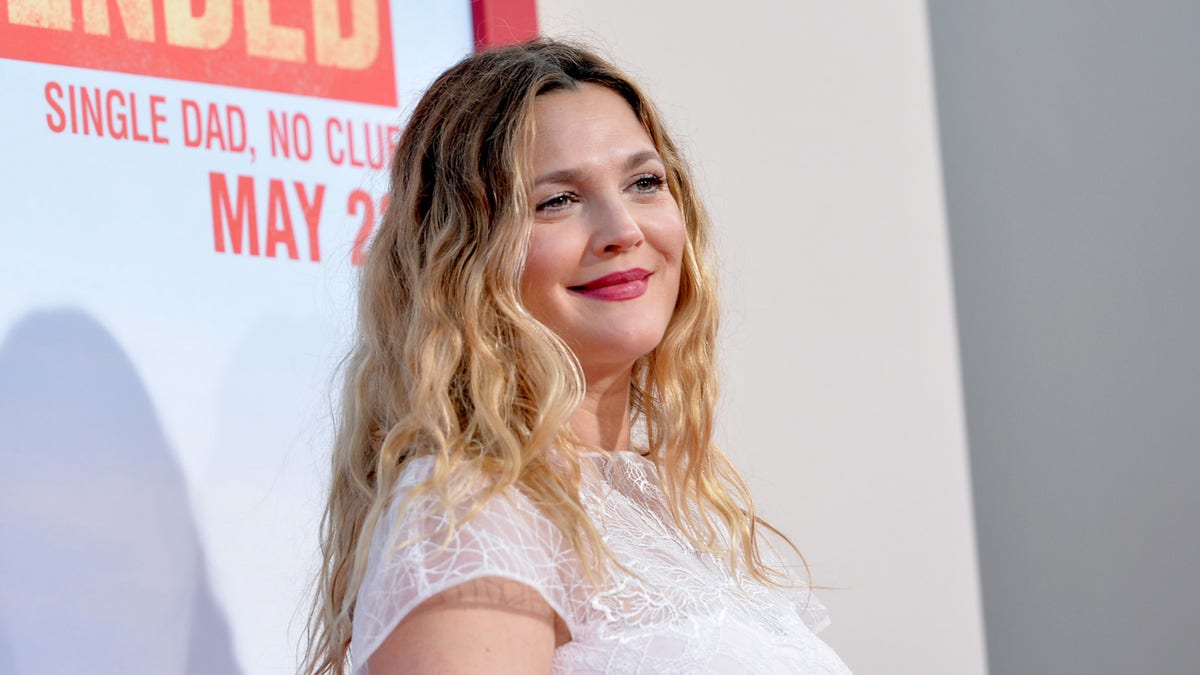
{"x":585,"y":124}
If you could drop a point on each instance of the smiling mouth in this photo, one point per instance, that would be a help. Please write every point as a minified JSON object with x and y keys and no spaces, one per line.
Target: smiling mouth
{"x":623,"y":285}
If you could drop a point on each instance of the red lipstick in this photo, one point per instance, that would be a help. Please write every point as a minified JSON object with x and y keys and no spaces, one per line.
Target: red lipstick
{"x":623,"y":285}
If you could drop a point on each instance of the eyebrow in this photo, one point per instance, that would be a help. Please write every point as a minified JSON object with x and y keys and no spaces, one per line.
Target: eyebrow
{"x":573,"y":175}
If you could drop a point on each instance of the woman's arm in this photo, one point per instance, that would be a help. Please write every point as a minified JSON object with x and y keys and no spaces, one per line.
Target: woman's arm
{"x":491,"y":625}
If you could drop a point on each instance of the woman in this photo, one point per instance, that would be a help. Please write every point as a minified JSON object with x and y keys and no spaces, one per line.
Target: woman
{"x":525,"y":478}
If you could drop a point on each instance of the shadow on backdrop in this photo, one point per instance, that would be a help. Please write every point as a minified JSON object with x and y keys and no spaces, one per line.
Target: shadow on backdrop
{"x":101,"y":570}
{"x":6,"y":658}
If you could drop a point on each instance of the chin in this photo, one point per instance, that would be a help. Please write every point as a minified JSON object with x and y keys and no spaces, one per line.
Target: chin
{"x":620,"y":350}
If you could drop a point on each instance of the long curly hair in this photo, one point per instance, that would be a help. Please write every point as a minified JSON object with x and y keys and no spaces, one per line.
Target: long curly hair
{"x":448,"y":362}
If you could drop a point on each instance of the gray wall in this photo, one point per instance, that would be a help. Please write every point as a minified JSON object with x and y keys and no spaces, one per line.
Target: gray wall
{"x":1071,"y":150}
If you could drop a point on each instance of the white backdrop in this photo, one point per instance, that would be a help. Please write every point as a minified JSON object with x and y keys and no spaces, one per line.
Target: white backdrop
{"x":813,"y":129}
{"x":165,"y":406}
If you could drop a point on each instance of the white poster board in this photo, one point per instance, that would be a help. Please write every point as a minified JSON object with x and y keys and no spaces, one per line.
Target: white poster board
{"x":185,"y":198}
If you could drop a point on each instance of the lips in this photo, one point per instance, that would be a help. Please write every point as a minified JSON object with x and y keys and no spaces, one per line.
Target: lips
{"x":623,"y":285}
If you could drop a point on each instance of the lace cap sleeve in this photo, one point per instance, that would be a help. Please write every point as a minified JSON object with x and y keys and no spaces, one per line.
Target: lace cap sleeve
{"x":411,"y":560}
{"x":800,"y":595}
{"x":812,"y":611}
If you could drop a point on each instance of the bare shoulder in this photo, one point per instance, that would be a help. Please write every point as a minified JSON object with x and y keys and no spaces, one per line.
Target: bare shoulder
{"x":491,"y":624}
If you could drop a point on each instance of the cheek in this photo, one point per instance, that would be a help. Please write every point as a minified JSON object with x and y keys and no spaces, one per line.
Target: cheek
{"x":543,"y":273}
{"x":679,"y":242}
{"x":672,"y":239}
{"x":674,"y":242}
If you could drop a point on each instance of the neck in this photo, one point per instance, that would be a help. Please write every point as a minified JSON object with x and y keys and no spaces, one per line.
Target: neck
{"x":602,"y":419}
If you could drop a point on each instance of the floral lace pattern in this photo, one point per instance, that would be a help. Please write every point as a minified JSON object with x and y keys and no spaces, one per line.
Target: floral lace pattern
{"x":681,"y":611}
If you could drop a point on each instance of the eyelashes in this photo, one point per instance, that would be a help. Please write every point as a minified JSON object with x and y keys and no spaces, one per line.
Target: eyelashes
{"x":649,"y":183}
{"x":557,"y":202}
{"x":642,"y":185}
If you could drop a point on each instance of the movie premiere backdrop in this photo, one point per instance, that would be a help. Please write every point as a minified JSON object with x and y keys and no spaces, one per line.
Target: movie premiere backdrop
{"x":187,"y":191}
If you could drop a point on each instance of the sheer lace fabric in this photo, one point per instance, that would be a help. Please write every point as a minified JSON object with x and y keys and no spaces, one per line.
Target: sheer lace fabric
{"x":681,"y":612}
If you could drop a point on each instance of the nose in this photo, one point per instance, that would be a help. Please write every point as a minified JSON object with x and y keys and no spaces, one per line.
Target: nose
{"x":616,"y":228}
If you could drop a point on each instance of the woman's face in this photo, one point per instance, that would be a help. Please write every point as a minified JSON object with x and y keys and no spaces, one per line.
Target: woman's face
{"x":607,"y":243}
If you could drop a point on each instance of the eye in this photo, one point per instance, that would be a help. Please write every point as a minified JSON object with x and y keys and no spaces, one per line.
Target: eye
{"x":556,"y":202}
{"x":648,"y":183}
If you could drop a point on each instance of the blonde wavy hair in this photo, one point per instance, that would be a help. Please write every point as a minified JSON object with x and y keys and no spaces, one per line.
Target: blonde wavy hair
{"x":449,"y":363}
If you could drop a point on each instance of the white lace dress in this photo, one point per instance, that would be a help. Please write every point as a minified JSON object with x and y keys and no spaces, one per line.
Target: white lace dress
{"x":685,"y":614}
